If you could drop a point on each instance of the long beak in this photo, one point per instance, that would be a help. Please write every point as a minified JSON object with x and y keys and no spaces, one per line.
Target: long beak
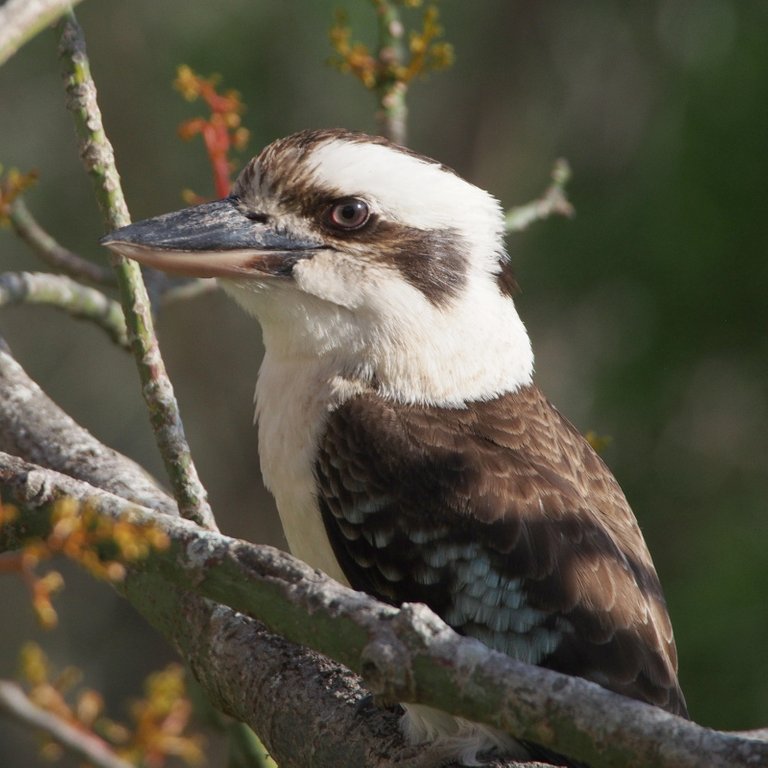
{"x":211,"y":240}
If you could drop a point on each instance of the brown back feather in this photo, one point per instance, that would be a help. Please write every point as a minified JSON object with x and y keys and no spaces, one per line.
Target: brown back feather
{"x":503,"y":520}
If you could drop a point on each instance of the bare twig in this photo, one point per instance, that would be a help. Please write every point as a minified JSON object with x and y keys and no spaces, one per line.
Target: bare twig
{"x":64,"y":293}
{"x":59,"y":257}
{"x":391,"y":91}
{"x":389,"y":72}
{"x":553,"y":201}
{"x":21,"y":20}
{"x":84,"y":744}
{"x":98,"y":158}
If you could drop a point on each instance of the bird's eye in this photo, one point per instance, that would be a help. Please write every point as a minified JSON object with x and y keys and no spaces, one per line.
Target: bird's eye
{"x":349,"y":213}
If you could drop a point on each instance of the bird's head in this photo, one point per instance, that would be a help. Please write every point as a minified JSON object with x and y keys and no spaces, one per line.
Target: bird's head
{"x":342,"y":243}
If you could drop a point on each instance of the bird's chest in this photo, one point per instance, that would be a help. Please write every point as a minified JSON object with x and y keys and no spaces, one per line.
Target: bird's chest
{"x":292,"y":404}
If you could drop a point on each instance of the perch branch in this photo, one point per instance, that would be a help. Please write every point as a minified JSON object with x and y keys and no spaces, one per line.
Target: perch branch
{"x":247,"y":672}
{"x":99,"y":160}
{"x":404,"y":654}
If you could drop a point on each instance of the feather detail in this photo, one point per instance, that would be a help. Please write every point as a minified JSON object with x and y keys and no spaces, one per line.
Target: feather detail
{"x":503,"y":520}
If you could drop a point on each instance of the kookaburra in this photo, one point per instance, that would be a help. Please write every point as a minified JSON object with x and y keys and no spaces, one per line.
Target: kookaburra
{"x":409,"y":451}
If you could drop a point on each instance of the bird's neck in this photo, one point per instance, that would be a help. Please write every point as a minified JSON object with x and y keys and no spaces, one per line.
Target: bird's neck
{"x":476,"y":350}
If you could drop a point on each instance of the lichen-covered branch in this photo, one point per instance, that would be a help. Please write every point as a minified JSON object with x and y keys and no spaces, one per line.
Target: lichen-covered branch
{"x":404,"y":654}
{"x":52,"y":252}
{"x":309,"y":710}
{"x":21,"y":20}
{"x":64,"y":293}
{"x":34,"y":428}
{"x":98,"y":157}
{"x":81,"y":743}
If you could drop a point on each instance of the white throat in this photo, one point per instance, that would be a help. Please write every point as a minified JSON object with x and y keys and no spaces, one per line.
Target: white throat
{"x":317,"y":355}
{"x":403,"y":346}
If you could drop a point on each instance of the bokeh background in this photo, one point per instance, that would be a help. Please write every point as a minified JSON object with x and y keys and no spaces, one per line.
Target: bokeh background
{"x":648,"y":310}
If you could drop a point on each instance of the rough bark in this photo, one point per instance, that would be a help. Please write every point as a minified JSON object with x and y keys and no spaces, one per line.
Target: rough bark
{"x":192,"y":592}
{"x":309,"y":710}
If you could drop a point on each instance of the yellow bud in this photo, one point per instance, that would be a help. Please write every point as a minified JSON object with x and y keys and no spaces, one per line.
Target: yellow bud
{"x":90,"y":705}
{"x":33,"y":663}
{"x":53,"y":581}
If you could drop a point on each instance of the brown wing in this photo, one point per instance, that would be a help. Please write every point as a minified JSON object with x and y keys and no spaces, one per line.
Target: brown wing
{"x":505,"y":522}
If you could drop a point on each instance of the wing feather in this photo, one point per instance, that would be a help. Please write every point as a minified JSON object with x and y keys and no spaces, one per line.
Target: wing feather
{"x":503,"y":520}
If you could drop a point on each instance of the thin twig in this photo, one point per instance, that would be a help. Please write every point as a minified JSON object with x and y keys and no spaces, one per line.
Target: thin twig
{"x":84,"y":744}
{"x":64,"y":293}
{"x":21,"y":20}
{"x":53,"y":253}
{"x":393,"y":115}
{"x":553,"y":201}
{"x":99,"y":160}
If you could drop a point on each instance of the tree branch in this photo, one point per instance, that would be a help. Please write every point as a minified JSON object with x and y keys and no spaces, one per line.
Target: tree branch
{"x":83,"y":744}
{"x":310,"y":711}
{"x":391,"y":91}
{"x":405,"y":654}
{"x":64,"y":293}
{"x":553,"y":201}
{"x":21,"y":20}
{"x":59,"y":257}
{"x":34,"y":428}
{"x":279,"y":689}
{"x":99,"y":160}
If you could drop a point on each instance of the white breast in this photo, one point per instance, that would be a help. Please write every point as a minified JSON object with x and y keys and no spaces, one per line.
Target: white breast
{"x":291,"y":406}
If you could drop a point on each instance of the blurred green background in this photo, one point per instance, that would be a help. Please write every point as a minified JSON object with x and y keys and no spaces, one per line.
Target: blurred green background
{"x":648,"y":311}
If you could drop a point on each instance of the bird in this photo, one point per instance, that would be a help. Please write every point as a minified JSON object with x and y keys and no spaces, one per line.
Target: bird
{"x":409,"y":449}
